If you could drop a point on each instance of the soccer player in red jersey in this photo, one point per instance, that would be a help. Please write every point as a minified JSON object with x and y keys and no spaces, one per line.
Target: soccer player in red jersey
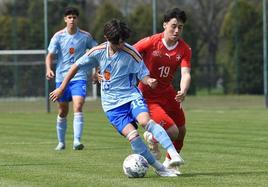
{"x":163,"y":54}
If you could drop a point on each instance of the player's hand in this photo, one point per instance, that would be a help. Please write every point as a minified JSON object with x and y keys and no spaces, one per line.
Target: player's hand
{"x":53,"y":96}
{"x":152,"y":82}
{"x":50,"y":74}
{"x":96,"y":78}
{"x":180,"y":96}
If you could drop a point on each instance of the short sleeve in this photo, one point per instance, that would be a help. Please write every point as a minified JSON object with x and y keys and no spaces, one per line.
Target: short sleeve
{"x":143,"y":71}
{"x":142,"y":45}
{"x":53,"y":45}
{"x":91,"y":42}
{"x":87,"y":61}
{"x":186,"y":59}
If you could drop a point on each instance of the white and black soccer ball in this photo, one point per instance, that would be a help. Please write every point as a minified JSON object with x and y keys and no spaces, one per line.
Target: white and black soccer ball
{"x":135,"y":166}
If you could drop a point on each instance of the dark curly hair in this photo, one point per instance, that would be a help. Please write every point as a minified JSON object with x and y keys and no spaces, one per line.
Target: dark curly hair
{"x":71,"y":11}
{"x":175,"y":13}
{"x":115,"y":29}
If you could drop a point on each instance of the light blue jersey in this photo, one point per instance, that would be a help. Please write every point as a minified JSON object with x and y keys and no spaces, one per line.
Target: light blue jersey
{"x":120,"y":73}
{"x":68,"y":49}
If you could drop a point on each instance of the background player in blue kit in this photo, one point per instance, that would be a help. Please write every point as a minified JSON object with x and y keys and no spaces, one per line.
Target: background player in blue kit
{"x":120,"y":66}
{"x":68,"y":45}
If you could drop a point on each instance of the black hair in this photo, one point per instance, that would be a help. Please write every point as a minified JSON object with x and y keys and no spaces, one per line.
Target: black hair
{"x":114,"y":30}
{"x":71,"y":11}
{"x":175,"y":13}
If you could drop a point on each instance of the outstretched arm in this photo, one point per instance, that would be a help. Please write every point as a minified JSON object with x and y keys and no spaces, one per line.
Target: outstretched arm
{"x":54,"y":95}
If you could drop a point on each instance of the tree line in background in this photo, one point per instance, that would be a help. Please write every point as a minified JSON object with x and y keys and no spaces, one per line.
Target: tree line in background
{"x":225,"y":37}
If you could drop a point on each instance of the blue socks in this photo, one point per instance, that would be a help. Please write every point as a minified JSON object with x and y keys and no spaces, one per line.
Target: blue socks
{"x":138,"y":147}
{"x":159,"y":134}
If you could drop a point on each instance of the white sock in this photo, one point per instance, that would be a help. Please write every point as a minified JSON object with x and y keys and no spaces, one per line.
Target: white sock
{"x":78,"y":124}
{"x":61,"y":129}
{"x":172,"y":152}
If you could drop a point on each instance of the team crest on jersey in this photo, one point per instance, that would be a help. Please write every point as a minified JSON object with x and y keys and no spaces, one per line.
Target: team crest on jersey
{"x":107,"y":75}
{"x":178,"y":57}
{"x":71,"y":50}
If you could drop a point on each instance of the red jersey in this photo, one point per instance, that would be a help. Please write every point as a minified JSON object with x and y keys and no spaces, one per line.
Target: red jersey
{"x":162,"y":62}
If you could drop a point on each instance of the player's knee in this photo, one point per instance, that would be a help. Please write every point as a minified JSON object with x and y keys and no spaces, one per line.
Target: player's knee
{"x":63,"y":113}
{"x":132,"y":134}
{"x":143,"y":119}
{"x":78,"y":108}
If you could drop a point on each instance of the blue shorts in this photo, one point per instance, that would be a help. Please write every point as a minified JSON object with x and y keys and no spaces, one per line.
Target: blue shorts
{"x":121,"y":116}
{"x":74,"y":88}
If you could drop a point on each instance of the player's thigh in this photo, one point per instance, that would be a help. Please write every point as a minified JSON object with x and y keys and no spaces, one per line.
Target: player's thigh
{"x":66,"y":95}
{"x":176,"y":113}
{"x":78,"y":88}
{"x":78,"y":102}
{"x":120,"y":117}
{"x":78,"y":91}
{"x":139,"y":111}
{"x":160,"y":116}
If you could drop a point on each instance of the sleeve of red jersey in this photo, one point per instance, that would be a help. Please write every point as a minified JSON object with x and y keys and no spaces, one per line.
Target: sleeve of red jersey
{"x":186,"y":59}
{"x":142,"y":45}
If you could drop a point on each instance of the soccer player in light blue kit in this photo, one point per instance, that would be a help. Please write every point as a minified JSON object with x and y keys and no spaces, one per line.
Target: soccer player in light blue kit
{"x":69,"y":44}
{"x":120,"y":65}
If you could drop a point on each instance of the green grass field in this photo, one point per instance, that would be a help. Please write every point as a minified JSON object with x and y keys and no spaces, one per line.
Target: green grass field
{"x":226,"y":145}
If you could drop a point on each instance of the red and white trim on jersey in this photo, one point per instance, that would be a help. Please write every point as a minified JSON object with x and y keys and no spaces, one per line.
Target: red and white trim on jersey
{"x":101,"y":46}
{"x":85,"y":32}
{"x":60,"y":32}
{"x":133,"y":53}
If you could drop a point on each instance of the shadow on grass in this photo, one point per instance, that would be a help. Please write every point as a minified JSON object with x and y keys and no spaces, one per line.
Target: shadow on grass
{"x":225,"y":173}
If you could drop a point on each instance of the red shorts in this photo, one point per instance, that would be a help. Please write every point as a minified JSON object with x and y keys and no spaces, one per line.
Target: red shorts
{"x":166,"y":111}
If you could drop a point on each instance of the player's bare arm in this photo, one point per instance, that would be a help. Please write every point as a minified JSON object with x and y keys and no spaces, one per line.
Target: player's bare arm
{"x":49,"y":72}
{"x":147,"y":80}
{"x":54,"y":95}
{"x":184,"y":84}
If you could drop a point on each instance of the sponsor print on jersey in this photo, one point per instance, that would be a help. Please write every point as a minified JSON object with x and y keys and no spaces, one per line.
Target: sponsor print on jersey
{"x":156,"y":53}
{"x":167,"y":55}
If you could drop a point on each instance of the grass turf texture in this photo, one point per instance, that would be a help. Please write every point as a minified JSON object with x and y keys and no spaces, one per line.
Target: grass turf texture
{"x":226,"y":145}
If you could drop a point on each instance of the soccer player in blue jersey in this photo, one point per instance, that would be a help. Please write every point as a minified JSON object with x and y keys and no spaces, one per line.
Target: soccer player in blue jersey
{"x":68,"y":45}
{"x":120,"y":66}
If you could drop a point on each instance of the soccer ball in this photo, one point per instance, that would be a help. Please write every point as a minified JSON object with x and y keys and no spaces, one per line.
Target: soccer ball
{"x":135,"y":166}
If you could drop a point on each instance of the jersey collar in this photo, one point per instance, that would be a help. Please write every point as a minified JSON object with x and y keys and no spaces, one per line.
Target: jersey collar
{"x":77,"y":30}
{"x":169,"y":47}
